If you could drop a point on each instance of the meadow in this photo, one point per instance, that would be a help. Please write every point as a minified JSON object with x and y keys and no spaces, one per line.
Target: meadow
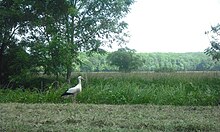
{"x":181,"y":89}
{"x":186,"y":101}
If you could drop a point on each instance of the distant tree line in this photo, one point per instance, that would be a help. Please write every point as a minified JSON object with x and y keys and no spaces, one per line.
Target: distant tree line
{"x":158,"y":62}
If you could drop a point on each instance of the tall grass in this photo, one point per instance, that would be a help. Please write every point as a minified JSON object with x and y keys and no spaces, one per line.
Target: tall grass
{"x":153,"y":88}
{"x":131,"y":88}
{"x":51,"y":95}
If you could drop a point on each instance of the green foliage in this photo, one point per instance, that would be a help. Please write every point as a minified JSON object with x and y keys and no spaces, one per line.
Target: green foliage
{"x":153,"y":88}
{"x":199,"y":89}
{"x":214,"y":50}
{"x":158,"y":62}
{"x":125,"y":59}
{"x":95,"y":62}
{"x":53,"y":32}
{"x":17,"y":62}
{"x":22,"y":23}
{"x":50,"y":95}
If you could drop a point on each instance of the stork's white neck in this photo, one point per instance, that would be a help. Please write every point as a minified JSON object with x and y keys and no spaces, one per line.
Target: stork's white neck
{"x":79,"y":81}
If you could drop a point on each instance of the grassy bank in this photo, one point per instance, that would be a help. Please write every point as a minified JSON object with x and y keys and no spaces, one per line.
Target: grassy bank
{"x":88,"y":117}
{"x":198,"y":88}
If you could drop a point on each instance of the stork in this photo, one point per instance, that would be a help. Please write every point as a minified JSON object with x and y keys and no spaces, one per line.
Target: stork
{"x":74,"y":90}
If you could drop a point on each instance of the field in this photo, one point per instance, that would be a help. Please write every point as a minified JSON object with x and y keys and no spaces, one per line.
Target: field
{"x":91,"y":117}
{"x":187,"y":101}
{"x":193,"y":88}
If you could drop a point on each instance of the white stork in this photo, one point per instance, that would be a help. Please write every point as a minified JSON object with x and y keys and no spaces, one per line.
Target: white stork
{"x":74,"y":90}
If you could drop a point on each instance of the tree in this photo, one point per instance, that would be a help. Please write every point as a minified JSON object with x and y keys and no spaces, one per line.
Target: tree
{"x":86,"y":26}
{"x":22,"y":26}
{"x":125,"y":59}
{"x":91,"y":24}
{"x":214,"y":50}
{"x":203,"y":66}
{"x":53,"y":32}
{"x":14,"y":17}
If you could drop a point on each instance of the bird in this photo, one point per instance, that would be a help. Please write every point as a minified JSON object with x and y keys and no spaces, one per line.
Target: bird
{"x":74,"y":90}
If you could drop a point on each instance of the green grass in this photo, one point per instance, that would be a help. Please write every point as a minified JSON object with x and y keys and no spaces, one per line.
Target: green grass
{"x":197,"y":89}
{"x":90,"y":117}
{"x":153,"y":88}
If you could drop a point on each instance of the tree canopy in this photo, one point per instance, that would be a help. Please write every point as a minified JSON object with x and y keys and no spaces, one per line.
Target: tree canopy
{"x":125,"y":59}
{"x":214,"y":35}
{"x":46,"y":36}
{"x":158,"y":62}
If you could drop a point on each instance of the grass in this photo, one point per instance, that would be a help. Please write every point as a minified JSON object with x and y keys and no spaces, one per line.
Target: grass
{"x":91,"y":117}
{"x":114,"y":102}
{"x":153,"y":88}
{"x":181,"y":89}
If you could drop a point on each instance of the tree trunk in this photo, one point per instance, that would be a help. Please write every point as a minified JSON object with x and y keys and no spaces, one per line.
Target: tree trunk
{"x":68,"y":74}
{"x":2,"y":63}
{"x":69,"y":67}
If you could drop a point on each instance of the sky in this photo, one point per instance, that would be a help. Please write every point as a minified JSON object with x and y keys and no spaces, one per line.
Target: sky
{"x":171,"y":25}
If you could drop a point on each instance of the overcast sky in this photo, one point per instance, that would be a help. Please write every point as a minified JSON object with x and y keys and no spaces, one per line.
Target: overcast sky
{"x":171,"y":25}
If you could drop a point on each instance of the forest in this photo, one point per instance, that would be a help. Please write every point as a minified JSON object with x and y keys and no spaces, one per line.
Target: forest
{"x":158,"y":62}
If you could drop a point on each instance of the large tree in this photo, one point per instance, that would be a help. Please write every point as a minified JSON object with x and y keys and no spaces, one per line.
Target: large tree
{"x":86,"y":26}
{"x":53,"y":32}
{"x":92,"y":24}
{"x":20,"y":21}
{"x":14,"y":16}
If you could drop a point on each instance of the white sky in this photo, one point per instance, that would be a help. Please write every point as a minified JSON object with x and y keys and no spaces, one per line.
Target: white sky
{"x":171,"y":25}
